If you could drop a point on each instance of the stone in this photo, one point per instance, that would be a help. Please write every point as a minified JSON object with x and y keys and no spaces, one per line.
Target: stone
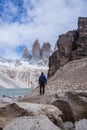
{"x":50,"y":111}
{"x":40,"y":122}
{"x":9,"y":112}
{"x":69,"y":126}
{"x":72,"y":106}
{"x":20,"y":109}
{"x":81,"y":125}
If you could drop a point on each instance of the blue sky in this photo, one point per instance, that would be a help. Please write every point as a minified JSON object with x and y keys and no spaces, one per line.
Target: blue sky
{"x":24,"y":21}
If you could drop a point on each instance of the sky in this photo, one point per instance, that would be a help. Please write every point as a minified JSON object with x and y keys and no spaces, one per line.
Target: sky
{"x":24,"y":21}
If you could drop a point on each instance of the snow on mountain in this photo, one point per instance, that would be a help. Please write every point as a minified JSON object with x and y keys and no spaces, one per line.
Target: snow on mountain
{"x":20,"y":74}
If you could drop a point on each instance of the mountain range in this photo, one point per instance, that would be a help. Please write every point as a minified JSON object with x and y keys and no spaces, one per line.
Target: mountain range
{"x":40,"y":55}
{"x":19,"y":75}
{"x":24,"y":72}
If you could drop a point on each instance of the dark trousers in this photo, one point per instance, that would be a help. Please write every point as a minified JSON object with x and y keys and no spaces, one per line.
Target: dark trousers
{"x":42,"y":88}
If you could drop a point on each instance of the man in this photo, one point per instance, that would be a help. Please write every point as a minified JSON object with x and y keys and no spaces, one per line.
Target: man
{"x":42,"y":83}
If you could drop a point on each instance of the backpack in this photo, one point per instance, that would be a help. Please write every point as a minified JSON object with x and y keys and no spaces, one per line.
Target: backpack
{"x":41,"y":80}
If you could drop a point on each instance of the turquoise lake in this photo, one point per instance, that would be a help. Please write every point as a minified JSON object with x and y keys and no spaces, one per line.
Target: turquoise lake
{"x":14,"y":91}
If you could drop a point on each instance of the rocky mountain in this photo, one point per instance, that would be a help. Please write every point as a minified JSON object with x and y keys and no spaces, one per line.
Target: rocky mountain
{"x":19,"y":74}
{"x":46,"y":51}
{"x":40,"y":55}
{"x":71,"y":46}
{"x":36,"y":50}
{"x":26,"y":54}
{"x":7,"y":82}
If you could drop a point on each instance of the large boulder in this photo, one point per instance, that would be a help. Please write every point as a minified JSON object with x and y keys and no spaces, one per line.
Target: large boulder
{"x":9,"y":112}
{"x":40,"y":122}
{"x":72,"y":105}
{"x":21,"y":109}
{"x":50,"y":111}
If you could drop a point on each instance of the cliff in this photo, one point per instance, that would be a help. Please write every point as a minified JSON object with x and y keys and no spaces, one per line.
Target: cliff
{"x":71,"y":46}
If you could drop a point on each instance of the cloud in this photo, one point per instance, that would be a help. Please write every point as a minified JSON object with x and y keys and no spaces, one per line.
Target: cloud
{"x":23,"y":21}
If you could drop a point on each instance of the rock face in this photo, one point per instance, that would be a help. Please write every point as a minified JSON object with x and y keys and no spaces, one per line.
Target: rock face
{"x":40,"y":55}
{"x":26,"y":54}
{"x":72,"y":76}
{"x":36,"y":50}
{"x":46,"y":50}
{"x":71,"y":46}
{"x":81,"y":42}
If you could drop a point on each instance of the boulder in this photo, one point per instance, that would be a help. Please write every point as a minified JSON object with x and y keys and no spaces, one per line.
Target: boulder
{"x":40,"y":122}
{"x":9,"y":112}
{"x":50,"y":111}
{"x":81,"y":125}
{"x":21,"y":109}
{"x":73,"y":106}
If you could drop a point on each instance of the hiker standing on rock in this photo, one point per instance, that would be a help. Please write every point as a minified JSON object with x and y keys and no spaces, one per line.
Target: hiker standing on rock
{"x":42,"y":83}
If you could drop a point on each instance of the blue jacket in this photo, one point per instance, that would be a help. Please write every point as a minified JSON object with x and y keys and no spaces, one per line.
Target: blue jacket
{"x":42,"y":78}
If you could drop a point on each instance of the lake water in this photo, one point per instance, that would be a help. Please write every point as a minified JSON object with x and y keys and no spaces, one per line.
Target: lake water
{"x":14,"y":91}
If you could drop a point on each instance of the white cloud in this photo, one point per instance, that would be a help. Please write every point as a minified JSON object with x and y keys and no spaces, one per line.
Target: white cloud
{"x":46,"y":20}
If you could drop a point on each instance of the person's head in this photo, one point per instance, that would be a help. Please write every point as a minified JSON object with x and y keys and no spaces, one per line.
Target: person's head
{"x":42,"y":73}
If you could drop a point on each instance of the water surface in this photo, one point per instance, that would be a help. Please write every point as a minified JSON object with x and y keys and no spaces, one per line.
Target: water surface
{"x":14,"y":91}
